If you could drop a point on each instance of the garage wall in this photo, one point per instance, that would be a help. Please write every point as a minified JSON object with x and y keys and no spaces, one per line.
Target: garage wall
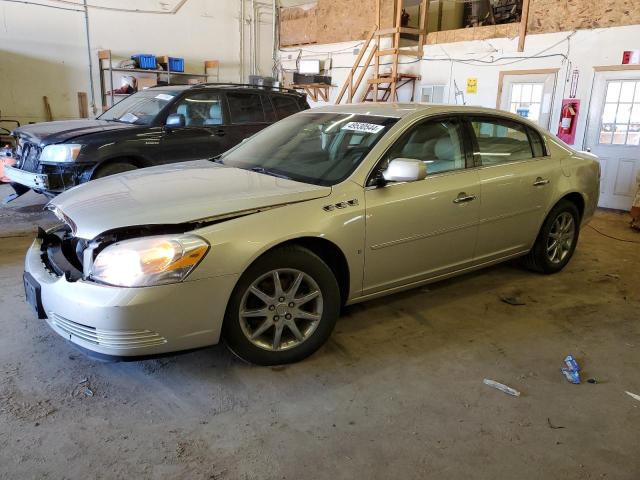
{"x":43,"y":50}
{"x":446,"y":64}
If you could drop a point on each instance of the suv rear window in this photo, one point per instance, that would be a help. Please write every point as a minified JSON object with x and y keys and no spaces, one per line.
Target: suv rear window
{"x":245,"y":108}
{"x":285,"y":106}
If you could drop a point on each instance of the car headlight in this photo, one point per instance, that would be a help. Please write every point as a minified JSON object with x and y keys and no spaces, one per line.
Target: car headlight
{"x":148,"y":261}
{"x":65,"y":152}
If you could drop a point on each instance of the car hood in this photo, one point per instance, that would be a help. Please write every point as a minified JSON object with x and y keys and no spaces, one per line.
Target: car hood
{"x":47,"y":133}
{"x":174,"y":194}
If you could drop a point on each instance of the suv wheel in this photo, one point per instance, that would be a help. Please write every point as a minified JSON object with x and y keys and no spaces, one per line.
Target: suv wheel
{"x":283,"y":308}
{"x":557,"y":239}
{"x":112,"y":168}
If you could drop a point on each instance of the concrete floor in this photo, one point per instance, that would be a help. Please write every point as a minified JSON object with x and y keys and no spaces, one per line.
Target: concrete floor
{"x":397,"y":392}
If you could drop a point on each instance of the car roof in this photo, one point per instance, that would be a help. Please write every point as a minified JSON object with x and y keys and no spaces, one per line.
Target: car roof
{"x":229,"y":86}
{"x":400,"y":110}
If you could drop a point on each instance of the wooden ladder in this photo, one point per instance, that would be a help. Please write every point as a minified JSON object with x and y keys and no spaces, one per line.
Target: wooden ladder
{"x":386,"y":83}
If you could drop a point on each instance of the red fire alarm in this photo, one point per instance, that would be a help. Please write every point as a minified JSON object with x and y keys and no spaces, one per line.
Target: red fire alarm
{"x":631,"y":57}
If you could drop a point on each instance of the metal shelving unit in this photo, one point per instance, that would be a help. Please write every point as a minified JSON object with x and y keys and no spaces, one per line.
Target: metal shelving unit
{"x":104,"y":56}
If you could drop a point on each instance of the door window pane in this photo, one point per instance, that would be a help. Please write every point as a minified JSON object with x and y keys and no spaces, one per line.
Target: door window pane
{"x":437,"y":143}
{"x":620,"y":122}
{"x":613,"y":92}
{"x":501,"y":141}
{"x":526,"y":99}
{"x":285,"y":106}
{"x":245,"y":108}
{"x":627,"y":91}
{"x":200,"y":109}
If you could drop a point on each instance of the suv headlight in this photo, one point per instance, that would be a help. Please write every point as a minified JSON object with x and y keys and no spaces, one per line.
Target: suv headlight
{"x":148,"y":261}
{"x":65,"y":152}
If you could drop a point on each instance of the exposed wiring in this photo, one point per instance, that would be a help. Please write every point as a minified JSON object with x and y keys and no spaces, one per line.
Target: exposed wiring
{"x":25,"y":2}
{"x":611,"y":236}
{"x":479,"y":62}
{"x":173,"y":11}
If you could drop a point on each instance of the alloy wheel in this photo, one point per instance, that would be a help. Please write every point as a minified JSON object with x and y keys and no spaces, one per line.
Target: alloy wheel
{"x":561,"y":238}
{"x":281,"y":309}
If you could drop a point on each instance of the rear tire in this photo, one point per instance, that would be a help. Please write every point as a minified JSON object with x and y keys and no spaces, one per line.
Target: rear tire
{"x":283,"y":308}
{"x":113,"y":168}
{"x":556,"y":240}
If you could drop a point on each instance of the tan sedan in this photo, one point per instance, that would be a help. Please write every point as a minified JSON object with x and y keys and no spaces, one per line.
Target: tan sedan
{"x":264,"y":244}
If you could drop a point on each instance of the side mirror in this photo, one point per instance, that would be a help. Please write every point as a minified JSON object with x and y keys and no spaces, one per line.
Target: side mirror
{"x":405,"y":170}
{"x":175,"y":120}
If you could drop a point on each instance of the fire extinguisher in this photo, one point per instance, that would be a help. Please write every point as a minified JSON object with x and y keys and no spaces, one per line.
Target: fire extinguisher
{"x":568,"y":115}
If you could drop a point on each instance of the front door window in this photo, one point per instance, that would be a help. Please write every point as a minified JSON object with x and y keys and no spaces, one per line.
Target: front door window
{"x":200,"y":109}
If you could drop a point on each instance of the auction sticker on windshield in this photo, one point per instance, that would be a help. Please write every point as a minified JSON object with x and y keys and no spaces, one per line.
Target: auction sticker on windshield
{"x":164,"y":96}
{"x":363,"y":127}
{"x":128,"y":117}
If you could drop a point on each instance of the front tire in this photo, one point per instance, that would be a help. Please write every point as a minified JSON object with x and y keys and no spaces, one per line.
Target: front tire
{"x":112,"y":168}
{"x":283,"y":308}
{"x":557,"y":239}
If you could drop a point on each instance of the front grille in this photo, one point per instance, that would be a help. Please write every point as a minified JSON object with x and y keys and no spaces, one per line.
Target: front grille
{"x":28,"y":157}
{"x":115,"y":339}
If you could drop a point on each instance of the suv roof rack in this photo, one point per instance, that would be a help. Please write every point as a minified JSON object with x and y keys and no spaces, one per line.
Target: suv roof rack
{"x":229,"y":84}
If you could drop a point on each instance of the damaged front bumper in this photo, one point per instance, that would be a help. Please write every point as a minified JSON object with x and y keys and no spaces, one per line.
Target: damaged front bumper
{"x":118,"y":321}
{"x":45,"y":182}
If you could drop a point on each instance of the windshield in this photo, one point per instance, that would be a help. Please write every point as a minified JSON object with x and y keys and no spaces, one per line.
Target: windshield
{"x":318,"y":148}
{"x":140,"y":108}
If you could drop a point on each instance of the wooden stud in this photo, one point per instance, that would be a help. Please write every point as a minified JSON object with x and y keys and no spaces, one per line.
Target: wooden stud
{"x":83,"y":105}
{"x":424,"y":18}
{"x":616,"y":68}
{"x":323,"y":92}
{"x":396,"y":46}
{"x":523,"y":24}
{"x":47,"y":109}
{"x":376,"y":66}
{"x":386,"y":52}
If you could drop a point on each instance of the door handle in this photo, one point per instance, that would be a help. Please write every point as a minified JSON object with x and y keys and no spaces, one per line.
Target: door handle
{"x":540,"y":181}
{"x":463,"y":198}
{"x":219,"y":133}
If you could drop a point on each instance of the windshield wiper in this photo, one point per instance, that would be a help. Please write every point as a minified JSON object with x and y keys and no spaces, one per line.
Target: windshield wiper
{"x":217,"y":159}
{"x":266,"y":171}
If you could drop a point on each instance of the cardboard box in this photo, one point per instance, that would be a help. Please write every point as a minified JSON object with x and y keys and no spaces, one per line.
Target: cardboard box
{"x":146,"y":82}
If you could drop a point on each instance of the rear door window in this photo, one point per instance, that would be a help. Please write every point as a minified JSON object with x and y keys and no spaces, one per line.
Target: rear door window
{"x":285,"y":106}
{"x":500,"y":141}
{"x":245,"y":107}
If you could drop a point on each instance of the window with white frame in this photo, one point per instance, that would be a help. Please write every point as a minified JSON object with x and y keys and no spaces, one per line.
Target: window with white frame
{"x":526,"y":99}
{"x":621,"y":114}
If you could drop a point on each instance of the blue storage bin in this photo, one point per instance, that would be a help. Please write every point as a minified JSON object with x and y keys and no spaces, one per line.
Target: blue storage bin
{"x":176,"y":64}
{"x":145,"y":60}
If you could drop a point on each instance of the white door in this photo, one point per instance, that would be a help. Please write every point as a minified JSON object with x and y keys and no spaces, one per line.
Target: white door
{"x":529,"y":95}
{"x":614,"y":135}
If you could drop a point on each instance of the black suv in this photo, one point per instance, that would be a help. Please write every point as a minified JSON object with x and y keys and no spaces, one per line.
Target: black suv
{"x":155,"y":126}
